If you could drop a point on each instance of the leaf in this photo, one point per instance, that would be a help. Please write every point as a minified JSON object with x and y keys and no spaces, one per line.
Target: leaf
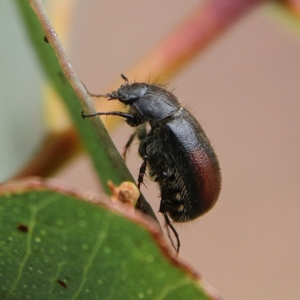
{"x":60,"y":73}
{"x":108,"y":163}
{"x":54,"y":245}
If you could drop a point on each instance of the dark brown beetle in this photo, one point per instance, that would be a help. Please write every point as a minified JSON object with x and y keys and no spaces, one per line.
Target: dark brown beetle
{"x":175,"y":148}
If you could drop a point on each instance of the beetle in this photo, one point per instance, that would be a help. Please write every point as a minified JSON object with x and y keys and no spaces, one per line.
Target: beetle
{"x":174,"y":148}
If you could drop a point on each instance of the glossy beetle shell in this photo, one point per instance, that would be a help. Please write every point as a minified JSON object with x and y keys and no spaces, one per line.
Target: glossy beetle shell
{"x":179,"y":155}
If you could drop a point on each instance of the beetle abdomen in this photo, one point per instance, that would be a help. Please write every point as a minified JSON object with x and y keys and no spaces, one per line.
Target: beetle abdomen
{"x":197,"y":183}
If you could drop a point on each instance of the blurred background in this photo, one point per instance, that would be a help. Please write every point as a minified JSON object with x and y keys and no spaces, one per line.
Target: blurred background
{"x":244,"y":90}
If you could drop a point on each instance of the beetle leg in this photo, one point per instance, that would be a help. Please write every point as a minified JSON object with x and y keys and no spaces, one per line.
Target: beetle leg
{"x":128,"y":144}
{"x":142,"y":172}
{"x":169,"y":225}
{"x":164,"y":209}
{"x":110,"y":113}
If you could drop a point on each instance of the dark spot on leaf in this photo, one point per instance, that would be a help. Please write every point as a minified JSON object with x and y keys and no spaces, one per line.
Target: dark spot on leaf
{"x":63,"y":284}
{"x":23,"y":228}
{"x":46,"y":40}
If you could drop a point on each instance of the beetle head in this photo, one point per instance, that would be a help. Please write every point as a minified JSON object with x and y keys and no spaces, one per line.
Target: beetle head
{"x":151,"y":101}
{"x":129,"y":93}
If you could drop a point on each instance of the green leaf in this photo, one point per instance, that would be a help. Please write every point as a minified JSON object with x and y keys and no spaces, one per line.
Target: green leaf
{"x":106,"y":159}
{"x":54,"y":245}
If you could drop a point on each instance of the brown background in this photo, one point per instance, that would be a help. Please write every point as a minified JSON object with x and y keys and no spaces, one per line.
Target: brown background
{"x":245,"y":92}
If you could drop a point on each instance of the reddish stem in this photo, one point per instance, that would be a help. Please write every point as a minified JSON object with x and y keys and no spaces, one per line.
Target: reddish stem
{"x":209,"y":21}
{"x":56,"y":150}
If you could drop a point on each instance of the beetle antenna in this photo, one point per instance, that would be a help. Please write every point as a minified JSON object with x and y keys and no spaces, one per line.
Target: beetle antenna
{"x":125,"y":78}
{"x":94,"y":95}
